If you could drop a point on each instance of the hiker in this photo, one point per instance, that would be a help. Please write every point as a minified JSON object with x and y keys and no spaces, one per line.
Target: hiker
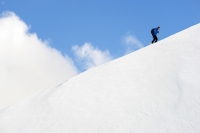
{"x":155,"y":32}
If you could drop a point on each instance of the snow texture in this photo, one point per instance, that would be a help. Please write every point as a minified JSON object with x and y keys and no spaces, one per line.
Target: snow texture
{"x":153,"y":90}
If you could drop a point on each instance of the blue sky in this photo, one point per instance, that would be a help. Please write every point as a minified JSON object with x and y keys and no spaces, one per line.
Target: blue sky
{"x":104,"y":25}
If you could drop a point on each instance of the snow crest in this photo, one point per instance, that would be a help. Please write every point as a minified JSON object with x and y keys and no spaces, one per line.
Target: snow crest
{"x":153,"y":90}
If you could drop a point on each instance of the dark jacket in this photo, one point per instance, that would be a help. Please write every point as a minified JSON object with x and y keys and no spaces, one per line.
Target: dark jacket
{"x":155,"y":32}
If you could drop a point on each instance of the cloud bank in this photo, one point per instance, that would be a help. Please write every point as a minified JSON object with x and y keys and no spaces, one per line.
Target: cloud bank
{"x":27,"y":64}
{"x":89,"y":57}
{"x":131,"y":43}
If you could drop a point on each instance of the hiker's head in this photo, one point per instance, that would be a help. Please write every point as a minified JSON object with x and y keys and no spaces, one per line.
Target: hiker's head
{"x":158,"y":27}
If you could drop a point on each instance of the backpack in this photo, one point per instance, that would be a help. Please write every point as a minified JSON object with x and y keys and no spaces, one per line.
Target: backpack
{"x":152,"y":31}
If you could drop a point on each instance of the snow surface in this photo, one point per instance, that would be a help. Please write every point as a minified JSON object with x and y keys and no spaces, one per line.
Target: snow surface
{"x":153,"y":90}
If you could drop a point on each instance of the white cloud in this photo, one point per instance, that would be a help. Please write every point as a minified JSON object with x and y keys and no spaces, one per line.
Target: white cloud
{"x":132,"y":43}
{"x":89,"y":56}
{"x":27,"y":64}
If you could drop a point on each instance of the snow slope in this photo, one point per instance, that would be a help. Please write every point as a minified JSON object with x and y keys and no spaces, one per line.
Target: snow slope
{"x":153,"y":90}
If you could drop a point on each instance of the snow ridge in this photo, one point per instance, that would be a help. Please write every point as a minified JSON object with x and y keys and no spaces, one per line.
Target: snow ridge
{"x":153,"y":90}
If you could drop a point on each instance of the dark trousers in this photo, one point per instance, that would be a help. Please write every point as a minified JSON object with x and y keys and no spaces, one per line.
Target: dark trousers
{"x":155,"y":39}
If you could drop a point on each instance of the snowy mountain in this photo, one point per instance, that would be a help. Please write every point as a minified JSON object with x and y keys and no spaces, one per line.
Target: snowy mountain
{"x":153,"y":90}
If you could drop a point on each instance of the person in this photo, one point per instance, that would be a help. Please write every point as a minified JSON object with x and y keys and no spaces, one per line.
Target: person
{"x":155,"y":32}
